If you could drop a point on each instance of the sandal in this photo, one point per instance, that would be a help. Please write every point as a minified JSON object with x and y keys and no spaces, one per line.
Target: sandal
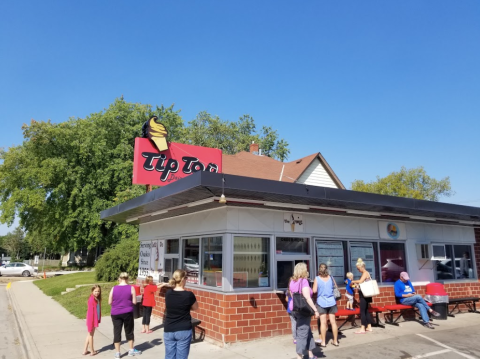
{"x":86,"y":353}
{"x":360,"y":332}
{"x":150,"y":332}
{"x":94,"y":353}
{"x":143,"y":331}
{"x":336,"y":345}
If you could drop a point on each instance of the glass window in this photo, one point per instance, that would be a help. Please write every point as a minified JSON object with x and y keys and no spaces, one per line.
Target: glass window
{"x":366,"y":251}
{"x":20,"y":265}
{"x":212,"y":261}
{"x":444,"y":268}
{"x":291,"y":245}
{"x":463,"y":261}
{"x":251,"y":262}
{"x":171,"y":265}
{"x":191,"y":259}
{"x":285,"y":271}
{"x":392,"y":261}
{"x":172,"y":246}
{"x":332,"y":253}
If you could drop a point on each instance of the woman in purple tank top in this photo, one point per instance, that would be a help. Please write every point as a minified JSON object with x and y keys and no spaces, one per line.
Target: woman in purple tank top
{"x":123,"y":298}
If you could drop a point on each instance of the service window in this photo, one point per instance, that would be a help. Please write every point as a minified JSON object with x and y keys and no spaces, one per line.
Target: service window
{"x":458,"y":263}
{"x":333,"y":254}
{"x":191,"y":259}
{"x":291,"y":246}
{"x":212,"y":249}
{"x":285,"y":271}
{"x":392,"y":261}
{"x":171,"y":256}
{"x":288,"y":252}
{"x":251,"y":262}
{"x":366,"y":251}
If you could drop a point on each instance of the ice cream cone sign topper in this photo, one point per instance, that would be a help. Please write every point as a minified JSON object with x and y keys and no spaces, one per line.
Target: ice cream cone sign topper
{"x":293,"y":222}
{"x":156,"y":132}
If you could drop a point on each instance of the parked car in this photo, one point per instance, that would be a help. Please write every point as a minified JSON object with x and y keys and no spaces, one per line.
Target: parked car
{"x":17,"y":268}
{"x":444,"y":269}
{"x":190,"y":264}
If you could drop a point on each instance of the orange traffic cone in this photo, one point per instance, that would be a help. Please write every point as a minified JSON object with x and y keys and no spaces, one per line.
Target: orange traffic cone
{"x":44,"y":275}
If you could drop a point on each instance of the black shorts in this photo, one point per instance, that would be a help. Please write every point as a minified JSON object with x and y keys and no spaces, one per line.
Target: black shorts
{"x":329,"y":310}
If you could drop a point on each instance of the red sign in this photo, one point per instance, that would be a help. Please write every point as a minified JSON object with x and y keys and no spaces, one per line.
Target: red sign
{"x":161,"y":168}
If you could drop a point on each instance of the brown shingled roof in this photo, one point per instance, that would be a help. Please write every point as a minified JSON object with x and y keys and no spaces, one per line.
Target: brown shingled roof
{"x":250,"y":165}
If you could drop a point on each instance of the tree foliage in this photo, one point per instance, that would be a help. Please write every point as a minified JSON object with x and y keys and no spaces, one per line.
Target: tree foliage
{"x":233,"y":137}
{"x":15,"y":245}
{"x":410,"y":183}
{"x":118,"y":259}
{"x":64,"y":174}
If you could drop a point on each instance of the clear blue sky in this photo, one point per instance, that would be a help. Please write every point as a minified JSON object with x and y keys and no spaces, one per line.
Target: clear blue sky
{"x":372,"y":85}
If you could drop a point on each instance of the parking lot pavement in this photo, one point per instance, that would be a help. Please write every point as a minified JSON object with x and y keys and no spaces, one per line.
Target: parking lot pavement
{"x":454,"y":343}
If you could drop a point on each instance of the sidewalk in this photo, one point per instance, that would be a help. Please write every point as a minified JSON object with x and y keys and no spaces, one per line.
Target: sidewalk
{"x":48,"y":331}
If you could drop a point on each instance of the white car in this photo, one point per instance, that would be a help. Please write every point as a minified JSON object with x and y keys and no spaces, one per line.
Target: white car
{"x":190,"y":265}
{"x":17,"y":268}
{"x":447,"y":265}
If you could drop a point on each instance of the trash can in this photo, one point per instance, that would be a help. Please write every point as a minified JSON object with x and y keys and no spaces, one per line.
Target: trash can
{"x":138,"y":308}
{"x":436,"y":295}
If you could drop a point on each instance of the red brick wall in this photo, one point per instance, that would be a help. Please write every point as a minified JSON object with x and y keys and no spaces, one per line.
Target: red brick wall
{"x":230,"y":318}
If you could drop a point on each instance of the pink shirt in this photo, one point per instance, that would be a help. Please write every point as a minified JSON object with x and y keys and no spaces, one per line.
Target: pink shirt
{"x":92,"y":316}
{"x":297,"y":286}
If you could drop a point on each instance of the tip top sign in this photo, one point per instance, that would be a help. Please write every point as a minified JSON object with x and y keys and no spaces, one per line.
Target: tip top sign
{"x":158,"y":162}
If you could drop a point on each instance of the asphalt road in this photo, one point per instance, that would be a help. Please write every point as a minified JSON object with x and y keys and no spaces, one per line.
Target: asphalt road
{"x":9,"y":340}
{"x":437,"y":344}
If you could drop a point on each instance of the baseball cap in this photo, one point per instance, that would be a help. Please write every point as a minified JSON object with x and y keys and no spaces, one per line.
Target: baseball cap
{"x":405,"y":276}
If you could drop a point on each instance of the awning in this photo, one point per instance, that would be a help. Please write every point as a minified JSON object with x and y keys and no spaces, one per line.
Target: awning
{"x":202,"y":190}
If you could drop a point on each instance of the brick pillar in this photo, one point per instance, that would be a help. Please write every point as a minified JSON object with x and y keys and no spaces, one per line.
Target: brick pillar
{"x":476,"y":248}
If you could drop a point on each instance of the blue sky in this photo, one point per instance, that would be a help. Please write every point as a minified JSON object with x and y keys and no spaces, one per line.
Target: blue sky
{"x":372,"y":85}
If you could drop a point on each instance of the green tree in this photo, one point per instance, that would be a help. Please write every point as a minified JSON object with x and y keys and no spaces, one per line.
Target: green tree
{"x":64,"y":174}
{"x":410,"y":183}
{"x":118,"y":259}
{"x":15,"y":245}
{"x":233,"y":137}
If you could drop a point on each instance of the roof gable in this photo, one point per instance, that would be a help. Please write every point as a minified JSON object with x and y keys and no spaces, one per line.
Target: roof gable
{"x":250,"y":165}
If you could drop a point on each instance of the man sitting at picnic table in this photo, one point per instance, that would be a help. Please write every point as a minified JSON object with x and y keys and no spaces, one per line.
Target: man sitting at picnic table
{"x":405,"y":293}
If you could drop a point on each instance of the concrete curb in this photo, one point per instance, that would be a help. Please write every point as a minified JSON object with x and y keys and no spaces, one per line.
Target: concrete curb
{"x":29,"y":350}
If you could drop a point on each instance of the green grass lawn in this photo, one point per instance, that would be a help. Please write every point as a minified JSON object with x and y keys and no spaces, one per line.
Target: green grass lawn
{"x":75,"y":302}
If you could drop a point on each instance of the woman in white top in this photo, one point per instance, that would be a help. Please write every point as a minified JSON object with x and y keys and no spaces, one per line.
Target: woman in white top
{"x":365,"y":316}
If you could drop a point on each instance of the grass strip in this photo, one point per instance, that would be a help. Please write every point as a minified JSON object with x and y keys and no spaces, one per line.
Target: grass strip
{"x":76,"y":301}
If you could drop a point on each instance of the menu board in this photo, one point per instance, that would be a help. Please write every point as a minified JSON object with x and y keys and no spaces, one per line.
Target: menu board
{"x":331,"y":253}
{"x":144,"y":259}
{"x":364,"y":251}
{"x":151,"y":257}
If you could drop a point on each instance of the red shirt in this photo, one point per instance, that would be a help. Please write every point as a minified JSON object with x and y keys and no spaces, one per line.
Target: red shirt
{"x":149,"y":295}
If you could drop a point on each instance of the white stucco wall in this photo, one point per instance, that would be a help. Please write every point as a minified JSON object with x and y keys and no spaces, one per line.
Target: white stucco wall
{"x":238,"y":220}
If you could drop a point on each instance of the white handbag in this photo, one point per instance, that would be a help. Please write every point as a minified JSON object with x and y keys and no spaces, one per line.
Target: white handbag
{"x":369,"y":288}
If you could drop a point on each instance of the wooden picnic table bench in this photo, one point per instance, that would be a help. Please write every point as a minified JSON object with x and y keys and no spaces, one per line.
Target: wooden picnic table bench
{"x":468,"y":301}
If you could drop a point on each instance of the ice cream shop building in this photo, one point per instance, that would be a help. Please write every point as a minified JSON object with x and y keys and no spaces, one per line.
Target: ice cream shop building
{"x":239,"y":255}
